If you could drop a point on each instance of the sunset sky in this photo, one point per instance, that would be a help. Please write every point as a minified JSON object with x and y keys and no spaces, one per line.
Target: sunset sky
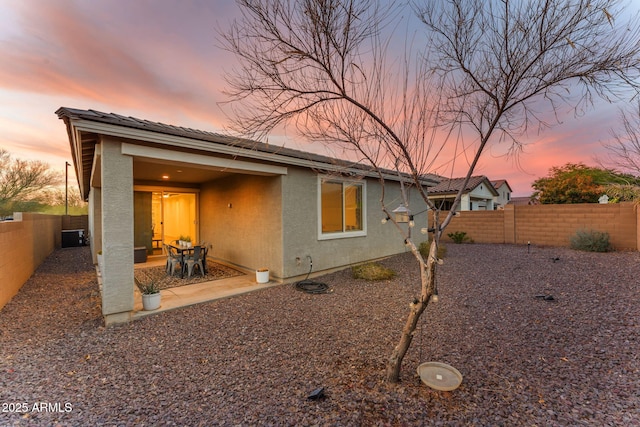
{"x":158,"y":60}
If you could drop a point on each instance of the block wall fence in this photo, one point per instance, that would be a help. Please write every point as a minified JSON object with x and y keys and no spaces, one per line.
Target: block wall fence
{"x":550,"y":225}
{"x":27,"y":241}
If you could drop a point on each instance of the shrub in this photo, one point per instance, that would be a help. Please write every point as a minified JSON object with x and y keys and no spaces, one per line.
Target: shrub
{"x":459,"y":237}
{"x":148,"y":288}
{"x":372,"y":271}
{"x":591,"y":241}
{"x":424,"y":249}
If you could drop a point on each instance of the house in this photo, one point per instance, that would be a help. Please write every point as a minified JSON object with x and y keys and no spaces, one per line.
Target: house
{"x":524,"y":201}
{"x":504,"y":193}
{"x":256,"y":204}
{"x":478,"y":194}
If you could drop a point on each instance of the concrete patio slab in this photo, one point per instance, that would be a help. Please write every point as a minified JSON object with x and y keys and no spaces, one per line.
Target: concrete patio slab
{"x":184,"y":296}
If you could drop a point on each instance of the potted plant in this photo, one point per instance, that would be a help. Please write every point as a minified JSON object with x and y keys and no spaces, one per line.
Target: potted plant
{"x":181,"y":240}
{"x":150,"y":296}
{"x":187,"y":241}
{"x":262,"y":275}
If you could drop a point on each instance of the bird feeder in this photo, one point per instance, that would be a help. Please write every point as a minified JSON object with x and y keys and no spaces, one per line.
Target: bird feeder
{"x":401,"y":214}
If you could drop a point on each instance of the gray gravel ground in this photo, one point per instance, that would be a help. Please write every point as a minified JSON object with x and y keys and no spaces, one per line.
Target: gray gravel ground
{"x":253,"y":359}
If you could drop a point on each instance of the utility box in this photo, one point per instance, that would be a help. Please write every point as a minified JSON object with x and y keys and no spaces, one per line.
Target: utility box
{"x":72,"y":238}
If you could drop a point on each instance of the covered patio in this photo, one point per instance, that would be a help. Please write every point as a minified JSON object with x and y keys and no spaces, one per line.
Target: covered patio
{"x":146,"y":189}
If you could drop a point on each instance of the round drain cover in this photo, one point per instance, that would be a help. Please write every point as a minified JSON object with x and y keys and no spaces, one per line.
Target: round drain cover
{"x":439,"y":376}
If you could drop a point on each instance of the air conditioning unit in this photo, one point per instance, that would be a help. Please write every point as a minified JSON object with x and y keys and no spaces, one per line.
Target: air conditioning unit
{"x":73,"y":238}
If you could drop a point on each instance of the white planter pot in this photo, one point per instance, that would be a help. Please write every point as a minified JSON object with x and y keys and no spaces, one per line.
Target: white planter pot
{"x":151,"y":301}
{"x":262,"y":276}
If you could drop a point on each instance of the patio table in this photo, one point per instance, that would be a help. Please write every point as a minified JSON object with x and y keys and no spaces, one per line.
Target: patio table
{"x":182,"y":250}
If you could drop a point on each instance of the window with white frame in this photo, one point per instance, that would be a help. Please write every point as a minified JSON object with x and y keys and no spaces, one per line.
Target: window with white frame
{"x":341,"y":206}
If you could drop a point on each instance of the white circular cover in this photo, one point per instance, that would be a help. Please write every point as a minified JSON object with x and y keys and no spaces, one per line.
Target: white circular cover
{"x":439,"y":376}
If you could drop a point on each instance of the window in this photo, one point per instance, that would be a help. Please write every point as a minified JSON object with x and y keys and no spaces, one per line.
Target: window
{"x":341,"y":208}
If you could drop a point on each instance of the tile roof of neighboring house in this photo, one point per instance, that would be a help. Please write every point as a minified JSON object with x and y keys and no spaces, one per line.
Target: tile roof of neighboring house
{"x":499,"y":183}
{"x":452,"y":186}
{"x":214,"y":138}
{"x":523,"y":201}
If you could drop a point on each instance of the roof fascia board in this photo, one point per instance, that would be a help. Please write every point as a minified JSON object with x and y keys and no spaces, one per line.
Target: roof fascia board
{"x":76,"y":144}
{"x":76,"y":147}
{"x":199,"y":159}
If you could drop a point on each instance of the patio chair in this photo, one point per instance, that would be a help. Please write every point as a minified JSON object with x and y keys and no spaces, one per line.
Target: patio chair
{"x":174,"y":259}
{"x":196,"y":260}
{"x":165,"y":252}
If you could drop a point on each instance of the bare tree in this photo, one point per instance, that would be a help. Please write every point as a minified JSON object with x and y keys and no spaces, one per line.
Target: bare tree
{"x":23,"y":182}
{"x":59,"y":197}
{"x":623,"y":151}
{"x":492,"y":67}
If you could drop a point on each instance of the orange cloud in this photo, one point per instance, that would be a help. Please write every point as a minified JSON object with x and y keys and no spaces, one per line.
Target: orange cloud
{"x":89,"y":51}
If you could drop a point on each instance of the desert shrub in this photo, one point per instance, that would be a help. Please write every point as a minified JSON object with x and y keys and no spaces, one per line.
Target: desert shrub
{"x":424,"y":249}
{"x":591,"y":241}
{"x":372,"y":271}
{"x":459,"y":237}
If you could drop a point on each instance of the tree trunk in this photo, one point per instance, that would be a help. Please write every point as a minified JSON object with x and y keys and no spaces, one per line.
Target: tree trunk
{"x":427,"y":276}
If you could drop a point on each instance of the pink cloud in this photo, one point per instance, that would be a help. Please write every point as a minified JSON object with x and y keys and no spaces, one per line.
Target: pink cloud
{"x":114,"y":55}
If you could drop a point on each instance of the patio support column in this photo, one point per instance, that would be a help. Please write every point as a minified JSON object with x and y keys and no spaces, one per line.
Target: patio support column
{"x":117,"y":233}
{"x":95,"y":222}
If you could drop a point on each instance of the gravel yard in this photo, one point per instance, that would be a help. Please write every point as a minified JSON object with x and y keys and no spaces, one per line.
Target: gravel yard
{"x":253,"y":359}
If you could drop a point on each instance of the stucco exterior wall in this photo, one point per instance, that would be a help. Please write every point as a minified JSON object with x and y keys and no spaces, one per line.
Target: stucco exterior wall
{"x":24,"y":243}
{"x":300,"y":233}
{"x":241,"y":216}
{"x":503,"y":195}
{"x":481,"y":198}
{"x":263,"y":221}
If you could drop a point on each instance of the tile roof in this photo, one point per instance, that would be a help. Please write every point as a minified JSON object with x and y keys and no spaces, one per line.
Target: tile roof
{"x":523,"y":201}
{"x":499,"y":183}
{"x":453,"y":185}
{"x":212,"y":137}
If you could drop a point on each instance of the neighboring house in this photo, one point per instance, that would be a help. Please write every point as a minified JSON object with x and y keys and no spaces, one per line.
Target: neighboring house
{"x":258,"y":205}
{"x":504,"y":193}
{"x":479,"y":194}
{"x":523,"y":201}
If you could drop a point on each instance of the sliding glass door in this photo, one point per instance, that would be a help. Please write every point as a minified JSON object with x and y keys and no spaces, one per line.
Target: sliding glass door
{"x":173,"y":215}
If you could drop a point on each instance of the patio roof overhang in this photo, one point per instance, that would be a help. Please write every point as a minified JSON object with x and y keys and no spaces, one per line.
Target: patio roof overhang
{"x":195,"y":165}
